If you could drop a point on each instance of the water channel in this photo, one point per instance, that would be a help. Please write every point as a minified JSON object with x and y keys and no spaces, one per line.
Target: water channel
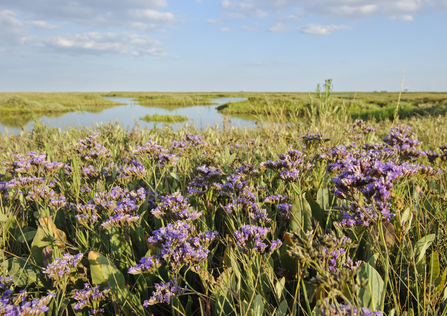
{"x":199,"y":116}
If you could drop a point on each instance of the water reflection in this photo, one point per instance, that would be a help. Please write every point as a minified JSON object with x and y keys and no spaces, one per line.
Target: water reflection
{"x":199,"y":116}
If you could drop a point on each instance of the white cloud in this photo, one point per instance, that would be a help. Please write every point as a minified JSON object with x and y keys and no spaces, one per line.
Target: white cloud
{"x":347,"y":9}
{"x":249,"y":28}
{"x":96,"y":13}
{"x":404,"y":18}
{"x":242,"y":9}
{"x":227,"y":29}
{"x":122,"y":43}
{"x":280,"y":28}
{"x":215,"y":22}
{"x":44,"y":25}
{"x":153,"y":16}
{"x":317,"y":29}
{"x":12,"y":30}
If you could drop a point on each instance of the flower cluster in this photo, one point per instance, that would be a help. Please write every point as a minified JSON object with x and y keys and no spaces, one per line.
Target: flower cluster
{"x":290,"y":165}
{"x":19,"y":305}
{"x":313,"y":139}
{"x":157,"y":154}
{"x":62,"y":266}
{"x":175,"y":207}
{"x":90,"y":150}
{"x":202,"y":182}
{"x":250,"y":239}
{"x":163,"y":293}
{"x":347,"y":310}
{"x":188,"y":142}
{"x":120,"y":203}
{"x":178,"y":248}
{"x":358,"y":129}
{"x":401,"y":139}
{"x":372,"y":178}
{"x":91,"y":297}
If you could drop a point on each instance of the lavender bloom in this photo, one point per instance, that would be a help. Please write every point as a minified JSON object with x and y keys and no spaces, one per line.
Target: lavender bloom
{"x":201,"y":183}
{"x":177,"y":248}
{"x":146,"y":264}
{"x":347,"y":310}
{"x":234,"y":184}
{"x":188,"y":142}
{"x":175,"y":207}
{"x":90,"y":296}
{"x":311,"y":139}
{"x":290,"y":165}
{"x":402,"y":140}
{"x":9,"y":304}
{"x":163,"y":293}
{"x":120,"y":220}
{"x":246,"y":201}
{"x":62,"y":266}
{"x":250,"y":239}
{"x":284,"y":210}
{"x":276,"y":198}
{"x":157,"y":154}
{"x":90,"y":150}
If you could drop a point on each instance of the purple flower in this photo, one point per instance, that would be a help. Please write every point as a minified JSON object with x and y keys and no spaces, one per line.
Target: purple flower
{"x":163,"y":293}
{"x":62,"y":266}
{"x":175,"y":207}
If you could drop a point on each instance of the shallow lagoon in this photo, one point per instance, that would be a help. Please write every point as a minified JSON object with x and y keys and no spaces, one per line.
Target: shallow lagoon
{"x":199,"y":116}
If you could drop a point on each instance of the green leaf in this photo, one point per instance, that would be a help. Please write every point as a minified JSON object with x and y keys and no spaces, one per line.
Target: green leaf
{"x":3,"y":218}
{"x":421,"y":246}
{"x":27,"y":234}
{"x":279,"y":288}
{"x":258,"y":306}
{"x":317,"y":211}
{"x":325,"y":199}
{"x":300,"y":215}
{"x":370,"y":295}
{"x":24,"y":273}
{"x":104,"y":273}
{"x":282,"y":309}
{"x":434,"y":266}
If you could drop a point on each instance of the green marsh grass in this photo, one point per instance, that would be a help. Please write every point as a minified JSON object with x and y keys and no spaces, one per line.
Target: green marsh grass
{"x":164,"y":118}
{"x":404,"y":263}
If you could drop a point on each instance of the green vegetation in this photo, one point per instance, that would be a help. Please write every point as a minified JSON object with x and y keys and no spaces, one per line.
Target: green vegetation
{"x":377,"y":105}
{"x":164,"y":118}
{"x":135,"y":207}
{"x":18,"y":108}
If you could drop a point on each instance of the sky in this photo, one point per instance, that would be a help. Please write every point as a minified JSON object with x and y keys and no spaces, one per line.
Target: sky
{"x":222,"y":45}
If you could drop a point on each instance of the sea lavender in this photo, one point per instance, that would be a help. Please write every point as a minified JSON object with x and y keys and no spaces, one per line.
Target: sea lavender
{"x":163,"y":293}
{"x":175,"y":207}
{"x":347,"y":310}
{"x":157,"y":154}
{"x":91,"y":150}
{"x":62,"y":266}
{"x":202,"y":182}
{"x":91,"y":297}
{"x":250,"y":239}
{"x":178,"y":247}
{"x":19,"y":305}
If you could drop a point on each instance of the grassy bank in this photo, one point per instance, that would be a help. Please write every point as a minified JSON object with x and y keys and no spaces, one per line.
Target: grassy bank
{"x":379,"y":105}
{"x":164,"y":118}
{"x":227,"y":221}
{"x":18,"y":108}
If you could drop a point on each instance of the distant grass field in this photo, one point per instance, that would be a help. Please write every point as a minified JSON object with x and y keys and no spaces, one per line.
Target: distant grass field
{"x":164,"y":118}
{"x":17,"y":109}
{"x":364,"y":105}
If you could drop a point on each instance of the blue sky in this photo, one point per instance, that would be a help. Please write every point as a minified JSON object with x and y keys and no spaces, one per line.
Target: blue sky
{"x":222,"y":45}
